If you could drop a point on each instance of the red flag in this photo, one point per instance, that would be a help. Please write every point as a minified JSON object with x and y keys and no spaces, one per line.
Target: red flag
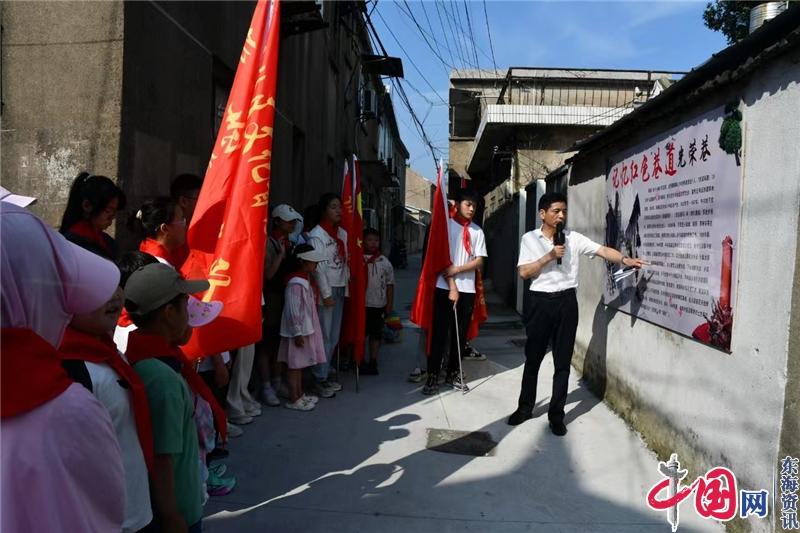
{"x":227,"y":235}
{"x":354,"y":327}
{"x":437,"y":259}
{"x":479,"y":312}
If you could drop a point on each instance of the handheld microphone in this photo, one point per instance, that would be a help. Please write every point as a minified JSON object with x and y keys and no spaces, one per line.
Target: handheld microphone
{"x":559,"y":239}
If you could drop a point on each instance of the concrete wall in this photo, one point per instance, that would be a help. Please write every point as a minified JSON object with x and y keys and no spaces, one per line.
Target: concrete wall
{"x":540,"y":149}
{"x":62,"y":89}
{"x":710,"y":407}
{"x":458,"y":156}
{"x":168,"y":89}
{"x":418,"y":190}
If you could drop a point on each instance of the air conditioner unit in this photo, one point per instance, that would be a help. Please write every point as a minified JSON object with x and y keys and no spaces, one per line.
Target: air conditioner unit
{"x":369,"y":103}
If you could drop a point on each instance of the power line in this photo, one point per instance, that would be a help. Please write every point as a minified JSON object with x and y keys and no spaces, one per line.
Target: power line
{"x":422,"y":32}
{"x":460,"y":24}
{"x":454,"y":33}
{"x":399,"y":87}
{"x":407,"y":55}
{"x":489,"y":33}
{"x":473,"y":43}
{"x":433,"y":32}
{"x":472,"y":37}
{"x":444,"y":33}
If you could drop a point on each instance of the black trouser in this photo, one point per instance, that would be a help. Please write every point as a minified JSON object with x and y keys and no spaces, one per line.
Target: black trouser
{"x":553,"y":317}
{"x":443,"y":340}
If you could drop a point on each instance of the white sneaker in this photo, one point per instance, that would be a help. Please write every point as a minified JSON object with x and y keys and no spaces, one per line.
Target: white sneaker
{"x":269,"y":397}
{"x":332,"y":385}
{"x":311,"y":398}
{"x":300,"y":405}
{"x":322,"y":390}
{"x":253,"y":411}
{"x":234,"y":431}
{"x":240,"y":420}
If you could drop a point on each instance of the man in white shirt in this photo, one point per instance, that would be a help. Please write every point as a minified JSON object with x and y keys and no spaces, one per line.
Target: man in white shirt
{"x":553,"y":317}
{"x":456,"y":286}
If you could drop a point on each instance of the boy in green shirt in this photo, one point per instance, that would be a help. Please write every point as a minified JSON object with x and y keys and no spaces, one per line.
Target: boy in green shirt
{"x":156,"y":299}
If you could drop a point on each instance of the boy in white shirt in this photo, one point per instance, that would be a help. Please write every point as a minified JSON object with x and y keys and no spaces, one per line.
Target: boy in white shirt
{"x":455,"y":286}
{"x":379,"y":298}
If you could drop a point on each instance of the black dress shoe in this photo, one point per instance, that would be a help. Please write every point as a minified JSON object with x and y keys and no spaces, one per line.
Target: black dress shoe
{"x":558,"y":428}
{"x":518,"y":417}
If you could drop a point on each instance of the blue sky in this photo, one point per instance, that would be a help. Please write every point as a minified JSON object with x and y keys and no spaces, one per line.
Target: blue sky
{"x":637,"y":35}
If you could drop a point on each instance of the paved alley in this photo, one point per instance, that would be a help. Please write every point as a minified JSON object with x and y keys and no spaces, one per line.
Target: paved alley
{"x":359,"y":461}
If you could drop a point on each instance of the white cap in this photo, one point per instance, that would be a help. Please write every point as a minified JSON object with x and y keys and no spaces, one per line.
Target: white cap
{"x":16,"y":199}
{"x":312,"y":255}
{"x":286,"y":213}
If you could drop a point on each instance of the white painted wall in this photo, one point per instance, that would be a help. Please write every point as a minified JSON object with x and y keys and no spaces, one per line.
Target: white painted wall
{"x":726,"y":408}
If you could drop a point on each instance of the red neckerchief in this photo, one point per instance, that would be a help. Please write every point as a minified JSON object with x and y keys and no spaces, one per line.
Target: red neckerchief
{"x":81,"y":346}
{"x":372,"y":258}
{"x":156,"y":249}
{"x":333,"y":231}
{"x":143,"y":346}
{"x":298,"y":274}
{"x":465,"y":235}
{"x":30,"y":372}
{"x":124,"y":319}
{"x":85,"y":230}
{"x":180,"y":255}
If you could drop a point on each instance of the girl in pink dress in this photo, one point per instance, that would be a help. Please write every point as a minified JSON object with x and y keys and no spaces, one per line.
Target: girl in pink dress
{"x":301,"y":335}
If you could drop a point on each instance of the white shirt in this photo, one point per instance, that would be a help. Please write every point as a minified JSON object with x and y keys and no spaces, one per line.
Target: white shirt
{"x":332,"y":271}
{"x":465,"y":281}
{"x":381,"y":275}
{"x":206,"y":364}
{"x":121,"y":334}
{"x":554,"y":277}
{"x":117,"y":401}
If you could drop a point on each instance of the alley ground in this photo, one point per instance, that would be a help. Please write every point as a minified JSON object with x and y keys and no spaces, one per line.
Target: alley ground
{"x":360,"y":462}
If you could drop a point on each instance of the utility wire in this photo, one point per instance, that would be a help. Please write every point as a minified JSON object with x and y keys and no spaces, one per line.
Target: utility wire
{"x":451,"y":21}
{"x":444,"y":33}
{"x":408,"y":56}
{"x":433,"y":32}
{"x":454,"y":27}
{"x":472,"y":36}
{"x":489,"y":33}
{"x":396,"y":83}
{"x":422,"y":32}
{"x":460,"y":24}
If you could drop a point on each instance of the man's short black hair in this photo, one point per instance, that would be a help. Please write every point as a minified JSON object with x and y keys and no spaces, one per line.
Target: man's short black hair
{"x":130,"y":262}
{"x":372,"y":231}
{"x":551,"y":198}
{"x":185,"y":184}
{"x":467,"y":194}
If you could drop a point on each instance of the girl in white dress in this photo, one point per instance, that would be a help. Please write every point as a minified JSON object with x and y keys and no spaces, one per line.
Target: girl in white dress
{"x":301,"y":335}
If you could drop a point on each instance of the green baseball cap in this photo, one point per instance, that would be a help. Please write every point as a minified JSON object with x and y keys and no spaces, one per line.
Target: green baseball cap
{"x":152,"y":286}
